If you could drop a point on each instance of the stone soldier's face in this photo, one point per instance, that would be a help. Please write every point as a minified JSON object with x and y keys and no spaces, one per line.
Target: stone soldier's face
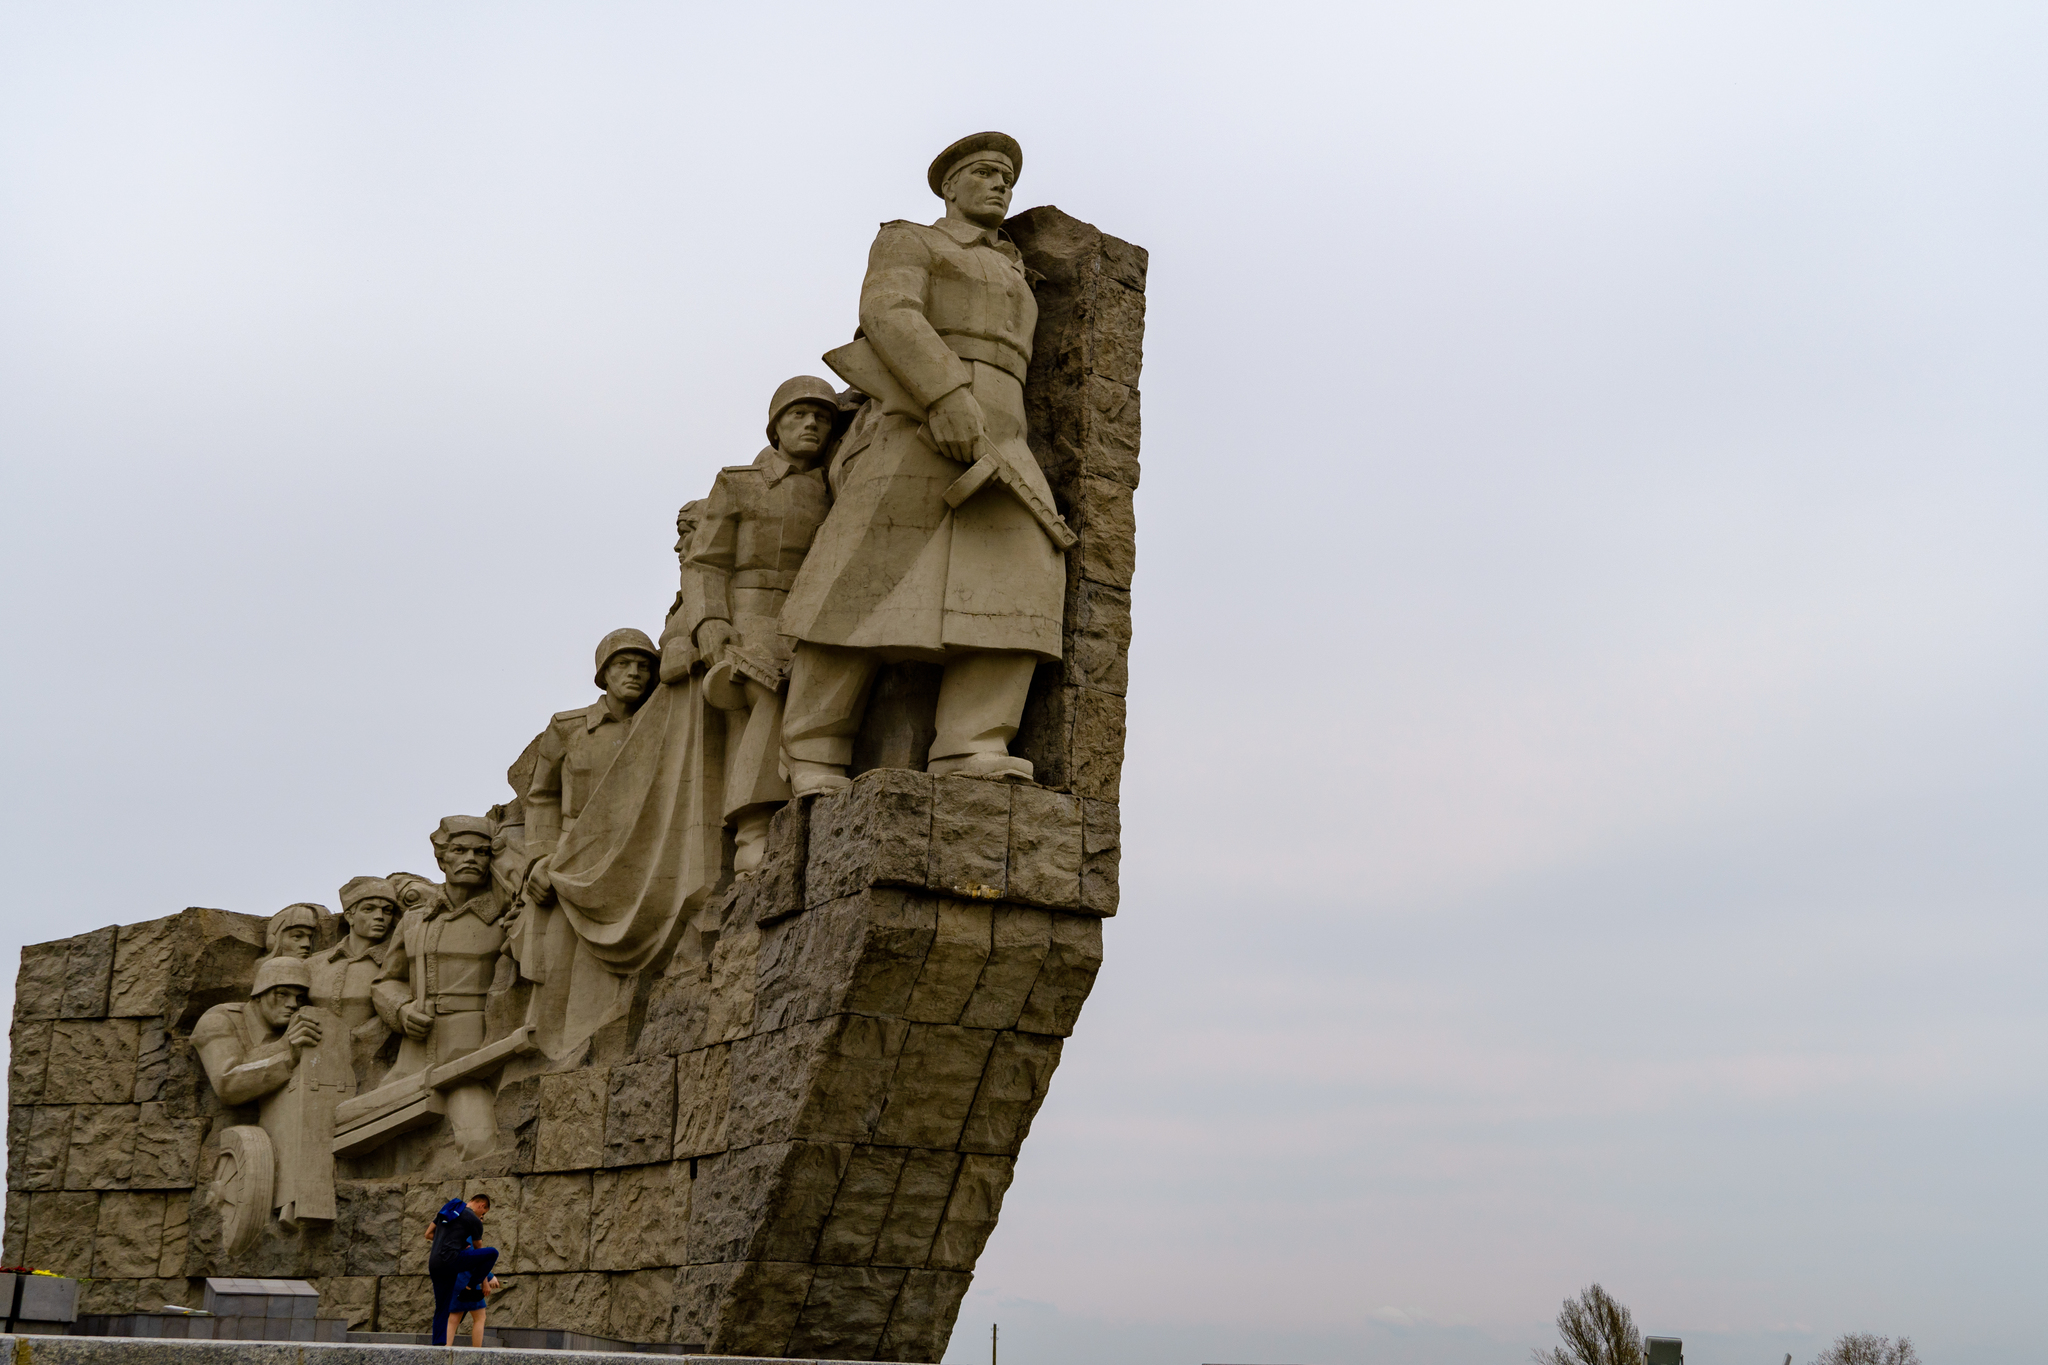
{"x":803,"y":429}
{"x":466,"y":859}
{"x":371,"y":920}
{"x":981,"y":191}
{"x":278,"y":1004}
{"x":627,"y":677}
{"x":296,"y":941}
{"x":687,"y":517}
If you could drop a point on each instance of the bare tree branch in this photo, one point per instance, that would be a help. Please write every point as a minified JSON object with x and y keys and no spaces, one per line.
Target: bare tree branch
{"x":1598,"y":1331}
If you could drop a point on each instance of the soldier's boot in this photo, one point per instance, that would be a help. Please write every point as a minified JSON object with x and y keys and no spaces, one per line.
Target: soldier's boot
{"x":473,"y":1115}
{"x":828,"y":691}
{"x":994,"y":766}
{"x":981,"y":702}
{"x":750,"y":840}
{"x":815,"y":779}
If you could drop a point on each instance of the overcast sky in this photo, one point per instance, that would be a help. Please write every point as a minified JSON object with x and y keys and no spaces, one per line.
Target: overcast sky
{"x":1588,"y":714}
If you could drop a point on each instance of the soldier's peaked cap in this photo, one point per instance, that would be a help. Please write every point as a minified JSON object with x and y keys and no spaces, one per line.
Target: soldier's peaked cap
{"x":620,"y":642}
{"x":944,"y":163}
{"x":452,"y":825}
{"x":805,"y":388}
{"x":273,"y":972}
{"x":360,"y":889}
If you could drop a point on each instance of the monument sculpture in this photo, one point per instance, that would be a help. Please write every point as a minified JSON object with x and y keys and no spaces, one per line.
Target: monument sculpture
{"x":438,"y":975}
{"x":911,"y":563}
{"x":740,"y":1001}
{"x":342,"y":976}
{"x":290,"y":1061}
{"x":751,"y":537}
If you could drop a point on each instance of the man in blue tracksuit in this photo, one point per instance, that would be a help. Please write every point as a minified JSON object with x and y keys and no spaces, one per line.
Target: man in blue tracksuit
{"x":456,"y":1227}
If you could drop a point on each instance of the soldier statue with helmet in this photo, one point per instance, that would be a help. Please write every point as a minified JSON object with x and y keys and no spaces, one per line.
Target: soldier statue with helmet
{"x":290,"y":1061}
{"x":580,"y":744}
{"x":751,"y":537}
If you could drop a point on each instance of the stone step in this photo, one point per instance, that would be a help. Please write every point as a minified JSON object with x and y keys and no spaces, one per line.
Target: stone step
{"x":82,"y":1350}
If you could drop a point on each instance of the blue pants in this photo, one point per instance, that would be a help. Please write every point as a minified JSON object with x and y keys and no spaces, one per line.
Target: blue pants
{"x":465,"y":1270}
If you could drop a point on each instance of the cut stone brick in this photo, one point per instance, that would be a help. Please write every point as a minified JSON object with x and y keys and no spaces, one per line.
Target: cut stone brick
{"x":102,"y":1155}
{"x":92,"y":1061}
{"x":1045,"y":848}
{"x":971,"y":1213}
{"x":61,"y":1227}
{"x":1019,"y":940}
{"x":935,"y":1080}
{"x":1101,"y":855}
{"x":38,"y":1141}
{"x":703,"y":1084}
{"x":28,"y":1060}
{"x":640,"y":1112}
{"x":572,"y":1112}
{"x":88,"y":973}
{"x":970,"y":842}
{"x":918,"y":1204}
{"x":1065,"y":977}
{"x":960,"y":946}
{"x":876,"y":832}
{"x":634,"y":1223}
{"x":129,"y":1240}
{"x":1020,"y":1068}
{"x":554,"y":1223}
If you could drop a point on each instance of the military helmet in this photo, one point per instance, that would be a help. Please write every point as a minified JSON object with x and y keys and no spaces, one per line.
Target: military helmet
{"x":302,"y":914}
{"x":805,"y":388}
{"x":273,"y":972}
{"x":620,"y":642}
{"x":943,"y":164}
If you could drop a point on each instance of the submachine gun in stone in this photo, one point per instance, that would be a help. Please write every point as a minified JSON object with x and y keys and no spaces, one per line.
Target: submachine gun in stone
{"x":859,"y":366}
{"x":370,"y":1120}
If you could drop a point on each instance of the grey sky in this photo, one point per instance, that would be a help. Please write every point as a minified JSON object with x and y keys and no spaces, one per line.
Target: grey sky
{"x":1588,"y":718}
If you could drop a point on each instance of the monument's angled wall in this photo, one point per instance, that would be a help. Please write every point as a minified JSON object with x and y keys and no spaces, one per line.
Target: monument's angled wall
{"x":798,"y":1147}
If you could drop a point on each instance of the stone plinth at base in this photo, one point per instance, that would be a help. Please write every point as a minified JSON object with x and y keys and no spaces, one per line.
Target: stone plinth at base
{"x":28,"y":1350}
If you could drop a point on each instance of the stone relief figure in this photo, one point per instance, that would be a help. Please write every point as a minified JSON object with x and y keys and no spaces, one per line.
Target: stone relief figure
{"x":581,"y":945}
{"x":344,"y":974}
{"x":290,"y":1060}
{"x":753,"y":533}
{"x":920,"y":558}
{"x":578,"y":746}
{"x":295,"y":931}
{"x":437,"y":975}
{"x":673,"y":667}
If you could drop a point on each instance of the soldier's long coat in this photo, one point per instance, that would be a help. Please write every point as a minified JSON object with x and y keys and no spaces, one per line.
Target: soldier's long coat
{"x":894,"y":568}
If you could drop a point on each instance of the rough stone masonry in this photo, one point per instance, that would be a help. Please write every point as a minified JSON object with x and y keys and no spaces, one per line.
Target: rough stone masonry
{"x":786,"y":1127}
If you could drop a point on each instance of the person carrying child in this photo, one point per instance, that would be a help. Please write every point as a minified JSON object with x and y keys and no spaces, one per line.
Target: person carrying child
{"x":460,"y":1269}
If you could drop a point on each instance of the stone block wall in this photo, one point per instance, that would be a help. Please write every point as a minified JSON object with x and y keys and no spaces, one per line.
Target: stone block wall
{"x":796,"y":1147}
{"x":1082,"y":403}
{"x":108,"y":1110}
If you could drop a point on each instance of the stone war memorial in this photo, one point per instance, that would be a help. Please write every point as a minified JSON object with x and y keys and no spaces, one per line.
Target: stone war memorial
{"x":739,"y":997}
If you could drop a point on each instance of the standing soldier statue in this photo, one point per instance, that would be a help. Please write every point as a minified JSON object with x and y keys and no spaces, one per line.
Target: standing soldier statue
{"x":942,"y":543}
{"x":437,"y":976}
{"x":752,"y":535}
{"x":344,"y":974}
{"x":578,"y":746}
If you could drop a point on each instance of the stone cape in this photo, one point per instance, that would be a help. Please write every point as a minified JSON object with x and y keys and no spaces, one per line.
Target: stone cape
{"x":798,"y":1144}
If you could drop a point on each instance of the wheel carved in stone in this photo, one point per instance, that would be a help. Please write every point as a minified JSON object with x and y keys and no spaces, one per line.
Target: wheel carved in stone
{"x":244,"y":1176}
